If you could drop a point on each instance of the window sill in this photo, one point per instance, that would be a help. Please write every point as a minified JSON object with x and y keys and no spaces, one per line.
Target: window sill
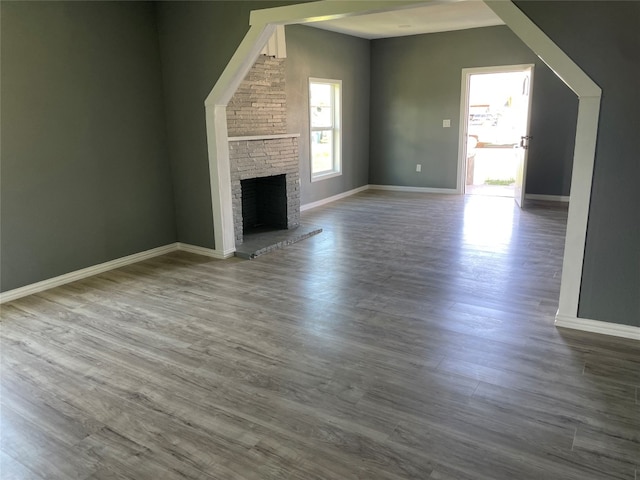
{"x":324,"y":176}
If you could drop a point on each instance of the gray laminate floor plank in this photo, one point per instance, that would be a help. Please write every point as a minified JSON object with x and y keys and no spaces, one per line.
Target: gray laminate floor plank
{"x":412,"y":339}
{"x":11,"y":469}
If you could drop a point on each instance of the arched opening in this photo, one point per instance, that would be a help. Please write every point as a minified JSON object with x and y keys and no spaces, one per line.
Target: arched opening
{"x":263,"y":24}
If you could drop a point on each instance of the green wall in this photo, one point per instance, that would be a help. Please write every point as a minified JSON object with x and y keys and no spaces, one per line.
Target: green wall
{"x":604,"y":39}
{"x":318,"y":53}
{"x":416,"y":83}
{"x":84,"y":173}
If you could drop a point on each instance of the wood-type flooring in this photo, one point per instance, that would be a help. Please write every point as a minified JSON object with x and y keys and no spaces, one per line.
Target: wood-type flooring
{"x":413,"y":339}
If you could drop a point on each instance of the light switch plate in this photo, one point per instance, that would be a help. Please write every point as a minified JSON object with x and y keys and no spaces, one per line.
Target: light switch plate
{"x":446,"y":123}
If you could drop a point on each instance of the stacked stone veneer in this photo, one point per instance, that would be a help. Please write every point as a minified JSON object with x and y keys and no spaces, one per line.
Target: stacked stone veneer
{"x":265,"y":158}
{"x":259,"y":106}
{"x":258,"y":109}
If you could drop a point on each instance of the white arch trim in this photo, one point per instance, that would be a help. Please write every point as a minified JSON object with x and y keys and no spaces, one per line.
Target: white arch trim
{"x":263,"y":23}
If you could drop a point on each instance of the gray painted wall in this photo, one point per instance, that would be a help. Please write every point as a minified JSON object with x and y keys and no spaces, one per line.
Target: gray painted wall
{"x":85,"y":173}
{"x":84,"y":170}
{"x":603,"y":38}
{"x":321,"y":54}
{"x":416,"y":83}
{"x":197,"y":39}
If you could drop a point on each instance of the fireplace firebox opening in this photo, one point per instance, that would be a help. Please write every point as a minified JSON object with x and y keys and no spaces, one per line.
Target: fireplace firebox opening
{"x":264,"y":204}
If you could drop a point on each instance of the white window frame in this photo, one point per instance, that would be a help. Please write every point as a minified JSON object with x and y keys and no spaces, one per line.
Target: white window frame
{"x":336,"y":129}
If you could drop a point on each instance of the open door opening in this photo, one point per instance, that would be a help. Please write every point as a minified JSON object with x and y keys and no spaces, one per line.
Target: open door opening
{"x":497,"y":102}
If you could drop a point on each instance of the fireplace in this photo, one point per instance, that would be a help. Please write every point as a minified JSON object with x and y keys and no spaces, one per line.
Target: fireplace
{"x":266,"y":156}
{"x":264,"y":204}
{"x":263,"y":158}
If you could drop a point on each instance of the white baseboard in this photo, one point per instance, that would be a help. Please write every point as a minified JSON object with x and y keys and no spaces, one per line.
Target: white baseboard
{"x":207,"y":252}
{"x":394,"y":188}
{"x":324,"y":201}
{"x":400,"y":188}
{"x":84,"y":273}
{"x":105,"y":267}
{"x":597,"y":326}
{"x":548,"y":198}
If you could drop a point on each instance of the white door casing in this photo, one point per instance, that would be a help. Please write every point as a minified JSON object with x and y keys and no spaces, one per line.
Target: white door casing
{"x":521,"y":153}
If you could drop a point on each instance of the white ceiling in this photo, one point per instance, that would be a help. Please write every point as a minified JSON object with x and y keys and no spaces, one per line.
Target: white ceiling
{"x":440,"y":17}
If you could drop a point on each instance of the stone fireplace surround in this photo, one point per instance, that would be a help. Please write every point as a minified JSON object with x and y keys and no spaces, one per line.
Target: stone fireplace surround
{"x":264,"y":157}
{"x":258,"y":143}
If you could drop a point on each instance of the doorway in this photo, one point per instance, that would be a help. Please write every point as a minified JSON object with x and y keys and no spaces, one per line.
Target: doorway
{"x":496,"y":103}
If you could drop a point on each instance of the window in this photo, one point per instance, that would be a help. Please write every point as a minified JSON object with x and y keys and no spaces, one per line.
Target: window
{"x":324,"y":108}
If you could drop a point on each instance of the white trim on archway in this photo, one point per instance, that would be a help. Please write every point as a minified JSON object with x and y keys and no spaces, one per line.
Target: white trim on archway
{"x":264,"y":22}
{"x":584,"y":150}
